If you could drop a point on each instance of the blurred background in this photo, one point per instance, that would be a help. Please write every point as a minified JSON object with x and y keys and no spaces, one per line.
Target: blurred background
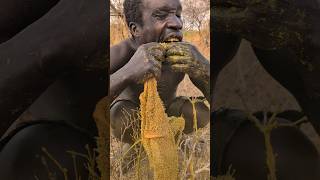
{"x":244,"y":84}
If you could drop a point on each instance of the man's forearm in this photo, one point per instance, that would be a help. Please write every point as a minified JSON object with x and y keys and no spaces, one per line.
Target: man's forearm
{"x":204,"y":86}
{"x":118,"y":82}
{"x":203,"y":82}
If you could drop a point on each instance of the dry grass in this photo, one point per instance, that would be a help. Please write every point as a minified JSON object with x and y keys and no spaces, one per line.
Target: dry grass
{"x":194,"y":155}
{"x":118,"y":31}
{"x":194,"y":149}
{"x":91,"y":166}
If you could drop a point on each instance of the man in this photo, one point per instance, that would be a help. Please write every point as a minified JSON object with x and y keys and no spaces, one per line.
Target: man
{"x":140,"y":57}
{"x":53,"y":66}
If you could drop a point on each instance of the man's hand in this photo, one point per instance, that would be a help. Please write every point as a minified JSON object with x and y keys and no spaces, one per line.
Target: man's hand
{"x":267,"y":24}
{"x":145,"y":63}
{"x":184,"y":57}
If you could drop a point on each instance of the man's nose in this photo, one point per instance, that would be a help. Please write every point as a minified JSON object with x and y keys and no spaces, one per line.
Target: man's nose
{"x":175,"y":22}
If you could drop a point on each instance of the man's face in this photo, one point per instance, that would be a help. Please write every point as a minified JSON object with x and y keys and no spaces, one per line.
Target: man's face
{"x":161,"y":21}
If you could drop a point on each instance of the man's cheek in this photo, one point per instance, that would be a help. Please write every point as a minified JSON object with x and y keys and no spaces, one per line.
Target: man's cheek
{"x":149,"y":35}
{"x":152,"y":37}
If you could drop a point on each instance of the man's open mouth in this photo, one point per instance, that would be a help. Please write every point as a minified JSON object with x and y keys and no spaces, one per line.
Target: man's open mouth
{"x":173,"y":39}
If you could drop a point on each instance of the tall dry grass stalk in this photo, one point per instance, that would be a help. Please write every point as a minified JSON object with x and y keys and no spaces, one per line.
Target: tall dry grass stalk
{"x":90,"y":165}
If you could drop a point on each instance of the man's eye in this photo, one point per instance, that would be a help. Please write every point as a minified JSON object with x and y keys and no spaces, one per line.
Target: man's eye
{"x":161,"y":15}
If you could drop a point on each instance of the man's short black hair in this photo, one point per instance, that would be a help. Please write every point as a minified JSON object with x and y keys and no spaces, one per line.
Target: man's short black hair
{"x":132,"y":11}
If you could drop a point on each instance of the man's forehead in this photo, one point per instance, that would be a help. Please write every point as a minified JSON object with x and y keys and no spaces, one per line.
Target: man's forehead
{"x":160,"y":4}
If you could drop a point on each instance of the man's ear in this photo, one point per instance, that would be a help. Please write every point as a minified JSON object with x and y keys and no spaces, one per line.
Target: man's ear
{"x":134,"y":29}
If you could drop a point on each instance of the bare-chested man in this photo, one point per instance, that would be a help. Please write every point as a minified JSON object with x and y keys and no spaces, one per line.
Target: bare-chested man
{"x":141,"y":57}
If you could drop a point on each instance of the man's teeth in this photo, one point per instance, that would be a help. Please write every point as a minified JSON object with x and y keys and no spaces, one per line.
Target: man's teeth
{"x":172,"y":40}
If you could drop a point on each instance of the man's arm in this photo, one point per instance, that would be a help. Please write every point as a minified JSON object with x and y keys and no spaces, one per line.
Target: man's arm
{"x":120,"y":54}
{"x":118,"y":82}
{"x":186,"y":58}
{"x":145,"y":63}
{"x":201,"y":75}
{"x":203,"y":82}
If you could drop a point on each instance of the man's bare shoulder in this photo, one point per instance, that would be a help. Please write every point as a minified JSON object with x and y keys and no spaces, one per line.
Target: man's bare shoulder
{"x":120,"y":54}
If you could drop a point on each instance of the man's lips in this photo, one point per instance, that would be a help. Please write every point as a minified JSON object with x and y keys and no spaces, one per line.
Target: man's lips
{"x":173,"y":38}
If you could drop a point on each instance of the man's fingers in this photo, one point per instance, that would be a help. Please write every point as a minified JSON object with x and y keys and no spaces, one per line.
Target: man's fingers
{"x":157,"y":73}
{"x":155,"y":68}
{"x":184,"y":68}
{"x":157,"y":64}
{"x":154,"y":71}
{"x":177,"y":49}
{"x":158,"y":54}
{"x":179,"y":63}
{"x":156,"y":51}
{"x":178,"y":59}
